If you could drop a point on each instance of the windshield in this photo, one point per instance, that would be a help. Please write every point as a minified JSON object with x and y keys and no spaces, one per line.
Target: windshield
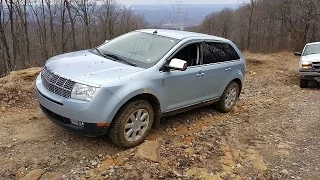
{"x":138,"y":48}
{"x":312,"y":49}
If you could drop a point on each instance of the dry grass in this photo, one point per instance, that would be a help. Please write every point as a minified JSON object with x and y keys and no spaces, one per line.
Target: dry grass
{"x":19,"y":81}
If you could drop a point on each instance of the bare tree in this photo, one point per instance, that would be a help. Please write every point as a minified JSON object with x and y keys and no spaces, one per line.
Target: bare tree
{"x":5,"y":51}
{"x":269,"y":25}
{"x":31,"y":31}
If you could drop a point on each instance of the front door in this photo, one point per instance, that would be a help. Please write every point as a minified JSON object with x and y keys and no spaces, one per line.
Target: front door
{"x":183,"y":88}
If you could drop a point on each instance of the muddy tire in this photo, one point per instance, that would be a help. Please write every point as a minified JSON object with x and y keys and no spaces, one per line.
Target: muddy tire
{"x":229,"y":98}
{"x":132,"y":124}
{"x":303,"y":83}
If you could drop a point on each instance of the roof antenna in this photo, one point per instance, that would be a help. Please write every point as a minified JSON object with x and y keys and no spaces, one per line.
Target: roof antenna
{"x":156,"y":31}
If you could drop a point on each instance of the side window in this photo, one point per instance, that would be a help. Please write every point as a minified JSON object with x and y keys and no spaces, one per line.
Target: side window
{"x":214,"y":52}
{"x":190,"y":53}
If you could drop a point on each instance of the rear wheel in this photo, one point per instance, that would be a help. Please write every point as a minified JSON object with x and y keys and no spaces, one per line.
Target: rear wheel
{"x":228,"y":98}
{"x":132,"y":124}
{"x":303,"y":83}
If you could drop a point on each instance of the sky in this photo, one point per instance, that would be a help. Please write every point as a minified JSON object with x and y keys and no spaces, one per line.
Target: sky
{"x":173,"y":1}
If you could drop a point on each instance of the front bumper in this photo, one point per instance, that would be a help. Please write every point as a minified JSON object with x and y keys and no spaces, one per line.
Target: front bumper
{"x":310,"y":75}
{"x":94,"y":115}
{"x":88,"y":129}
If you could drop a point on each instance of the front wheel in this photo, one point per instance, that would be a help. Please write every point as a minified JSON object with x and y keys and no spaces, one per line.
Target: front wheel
{"x":303,"y":83}
{"x":132,"y":124}
{"x":228,"y":98}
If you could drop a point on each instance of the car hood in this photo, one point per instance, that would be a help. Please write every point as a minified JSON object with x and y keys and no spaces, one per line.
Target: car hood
{"x":87,"y":67}
{"x":311,"y":58}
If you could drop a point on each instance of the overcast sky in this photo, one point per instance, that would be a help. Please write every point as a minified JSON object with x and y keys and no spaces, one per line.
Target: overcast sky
{"x":172,"y":1}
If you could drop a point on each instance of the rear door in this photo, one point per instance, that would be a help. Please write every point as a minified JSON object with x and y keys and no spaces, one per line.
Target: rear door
{"x":219,"y":61}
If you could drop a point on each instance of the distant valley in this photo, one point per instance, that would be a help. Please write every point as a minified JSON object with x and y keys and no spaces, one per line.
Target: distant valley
{"x":195,"y":13}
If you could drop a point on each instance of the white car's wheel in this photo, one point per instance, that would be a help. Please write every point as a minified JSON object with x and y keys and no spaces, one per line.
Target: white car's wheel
{"x":303,"y":83}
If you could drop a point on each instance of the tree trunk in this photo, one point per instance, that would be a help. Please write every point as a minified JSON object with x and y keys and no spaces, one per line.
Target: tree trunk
{"x":6,"y":61}
{"x":72,"y":21}
{"x":250,"y":24}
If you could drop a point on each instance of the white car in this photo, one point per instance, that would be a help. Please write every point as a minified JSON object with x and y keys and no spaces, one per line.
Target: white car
{"x":309,"y":66}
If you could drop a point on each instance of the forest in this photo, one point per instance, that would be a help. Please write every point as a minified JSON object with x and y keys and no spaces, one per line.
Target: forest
{"x":31,"y":31}
{"x":267,"y":25}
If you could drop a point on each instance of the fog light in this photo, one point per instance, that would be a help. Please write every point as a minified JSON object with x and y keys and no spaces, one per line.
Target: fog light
{"x":77,"y":123}
{"x":306,"y":67}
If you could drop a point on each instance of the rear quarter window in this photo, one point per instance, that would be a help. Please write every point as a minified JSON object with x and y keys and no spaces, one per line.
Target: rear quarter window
{"x":214,"y":52}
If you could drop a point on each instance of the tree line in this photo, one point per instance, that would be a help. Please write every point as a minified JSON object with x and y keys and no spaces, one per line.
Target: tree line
{"x":267,"y":25}
{"x":31,"y":31}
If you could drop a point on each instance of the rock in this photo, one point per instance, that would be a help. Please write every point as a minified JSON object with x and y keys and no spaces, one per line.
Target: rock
{"x":190,"y":151}
{"x":128,"y":166}
{"x":282,"y":152}
{"x":282,"y":145}
{"x":254,"y":158}
{"x":216,"y":177}
{"x":20,"y":172}
{"x":228,"y":161}
{"x":146,"y":176}
{"x":284,"y":172}
{"x":52,"y":176}
{"x":203,"y":173}
{"x":149,"y":150}
{"x":94,"y":163}
{"x":34,"y":174}
{"x":107,"y":163}
{"x":177,"y":141}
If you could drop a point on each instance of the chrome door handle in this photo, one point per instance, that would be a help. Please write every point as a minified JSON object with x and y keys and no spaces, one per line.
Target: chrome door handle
{"x":228,"y":69}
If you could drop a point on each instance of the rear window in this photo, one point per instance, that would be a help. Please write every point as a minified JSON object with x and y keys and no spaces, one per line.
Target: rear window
{"x":214,"y":52}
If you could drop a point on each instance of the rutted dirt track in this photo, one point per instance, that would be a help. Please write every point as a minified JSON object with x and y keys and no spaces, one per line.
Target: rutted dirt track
{"x":273,"y":133}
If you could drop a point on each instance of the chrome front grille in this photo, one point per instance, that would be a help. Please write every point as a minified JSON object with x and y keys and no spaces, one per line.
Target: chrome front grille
{"x":56,"y":84}
{"x":316,"y":65}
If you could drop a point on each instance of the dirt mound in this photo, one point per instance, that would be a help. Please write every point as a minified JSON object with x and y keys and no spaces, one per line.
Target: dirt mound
{"x":17,"y":89}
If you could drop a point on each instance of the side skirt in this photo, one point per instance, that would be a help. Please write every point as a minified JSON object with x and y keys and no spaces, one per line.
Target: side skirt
{"x":188,"y":108}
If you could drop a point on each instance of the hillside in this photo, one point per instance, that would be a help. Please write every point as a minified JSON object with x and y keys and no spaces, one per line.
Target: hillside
{"x":273,"y":133}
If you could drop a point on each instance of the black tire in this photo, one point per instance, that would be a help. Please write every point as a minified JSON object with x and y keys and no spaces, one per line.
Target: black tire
{"x":116,"y":131}
{"x":221,"y":104}
{"x":303,"y":83}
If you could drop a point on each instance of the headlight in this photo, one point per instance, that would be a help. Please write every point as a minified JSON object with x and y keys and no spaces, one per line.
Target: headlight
{"x":306,"y":65}
{"x":83,"y":92}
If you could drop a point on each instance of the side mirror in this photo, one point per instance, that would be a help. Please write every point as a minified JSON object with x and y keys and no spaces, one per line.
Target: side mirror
{"x":178,"y":64}
{"x":297,"y":54}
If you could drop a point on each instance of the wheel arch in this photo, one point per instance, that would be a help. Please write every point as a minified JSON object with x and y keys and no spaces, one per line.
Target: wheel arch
{"x":152,"y":99}
{"x":239,"y":82}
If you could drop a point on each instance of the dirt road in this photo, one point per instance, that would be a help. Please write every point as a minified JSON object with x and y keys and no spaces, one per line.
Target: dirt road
{"x":273,"y":133}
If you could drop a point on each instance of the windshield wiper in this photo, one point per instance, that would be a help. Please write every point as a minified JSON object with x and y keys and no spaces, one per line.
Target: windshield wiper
{"x":100,"y":52}
{"x":117,"y":58}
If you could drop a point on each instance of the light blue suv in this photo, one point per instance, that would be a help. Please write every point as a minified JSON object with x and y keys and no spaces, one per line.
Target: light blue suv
{"x":126,"y":85}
